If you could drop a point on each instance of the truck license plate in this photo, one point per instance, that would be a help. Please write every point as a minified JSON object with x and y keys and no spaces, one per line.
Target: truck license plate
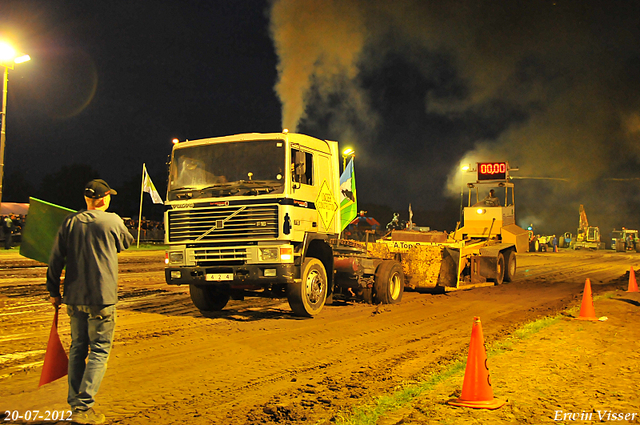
{"x":219,"y":276}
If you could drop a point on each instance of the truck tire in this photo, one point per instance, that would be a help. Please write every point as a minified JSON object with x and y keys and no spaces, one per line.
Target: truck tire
{"x":620,"y":246}
{"x":307,"y":297}
{"x":208,"y":297}
{"x":500,"y":272}
{"x":389,"y":283}
{"x":510,"y":265}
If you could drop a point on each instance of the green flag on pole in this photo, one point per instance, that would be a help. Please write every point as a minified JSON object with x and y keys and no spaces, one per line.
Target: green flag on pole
{"x":41,"y":228}
{"x":348,"y":201}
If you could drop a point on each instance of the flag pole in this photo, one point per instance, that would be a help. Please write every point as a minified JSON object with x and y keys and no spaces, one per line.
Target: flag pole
{"x":144,"y":170}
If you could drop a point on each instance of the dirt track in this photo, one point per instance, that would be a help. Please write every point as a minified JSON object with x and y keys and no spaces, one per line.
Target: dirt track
{"x":256,"y":362}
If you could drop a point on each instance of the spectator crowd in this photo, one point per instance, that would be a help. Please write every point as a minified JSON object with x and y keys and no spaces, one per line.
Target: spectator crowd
{"x":150,"y":230}
{"x":12,"y":225}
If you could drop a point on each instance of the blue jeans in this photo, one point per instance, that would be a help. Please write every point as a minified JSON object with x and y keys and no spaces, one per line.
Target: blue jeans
{"x":91,"y":327}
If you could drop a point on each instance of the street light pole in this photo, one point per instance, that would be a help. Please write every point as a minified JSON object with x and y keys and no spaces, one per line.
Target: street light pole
{"x":8,"y":58}
{"x":5,"y":81}
{"x":348,"y":152}
{"x":464,"y":169}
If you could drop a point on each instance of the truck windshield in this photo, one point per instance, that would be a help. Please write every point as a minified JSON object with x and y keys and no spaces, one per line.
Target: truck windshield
{"x":225,"y":169}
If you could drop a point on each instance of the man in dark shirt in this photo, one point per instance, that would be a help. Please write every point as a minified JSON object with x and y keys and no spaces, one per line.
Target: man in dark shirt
{"x":88,"y":243}
{"x":492,"y":200}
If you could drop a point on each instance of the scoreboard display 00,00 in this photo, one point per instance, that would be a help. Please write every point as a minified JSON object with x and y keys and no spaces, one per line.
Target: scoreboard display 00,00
{"x":492,"y":171}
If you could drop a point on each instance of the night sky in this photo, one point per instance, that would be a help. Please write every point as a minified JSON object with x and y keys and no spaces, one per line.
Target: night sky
{"x":417,"y":88}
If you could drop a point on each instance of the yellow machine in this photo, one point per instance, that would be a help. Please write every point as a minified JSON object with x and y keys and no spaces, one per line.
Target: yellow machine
{"x":587,"y":236}
{"x":482,"y":252}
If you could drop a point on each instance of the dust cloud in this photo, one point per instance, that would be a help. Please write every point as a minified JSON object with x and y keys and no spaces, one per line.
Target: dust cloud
{"x":425,"y":87}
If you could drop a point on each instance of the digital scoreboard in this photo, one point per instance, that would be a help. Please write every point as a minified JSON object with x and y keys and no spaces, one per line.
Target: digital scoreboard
{"x":492,"y":171}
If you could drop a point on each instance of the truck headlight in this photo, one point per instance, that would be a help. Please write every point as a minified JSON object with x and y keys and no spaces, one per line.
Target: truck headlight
{"x":268,"y":254}
{"x":481,"y":211}
{"x":174,"y":257}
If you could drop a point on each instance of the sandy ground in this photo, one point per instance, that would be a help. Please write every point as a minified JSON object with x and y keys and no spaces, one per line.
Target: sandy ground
{"x":256,"y":363}
{"x":571,"y":372}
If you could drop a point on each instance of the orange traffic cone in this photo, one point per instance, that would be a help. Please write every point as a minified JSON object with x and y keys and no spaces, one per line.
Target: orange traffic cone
{"x":587,"y":311}
{"x":56,"y":362}
{"x":633,"y":285}
{"x":476,"y":388}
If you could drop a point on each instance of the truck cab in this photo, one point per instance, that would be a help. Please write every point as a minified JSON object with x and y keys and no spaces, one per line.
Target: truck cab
{"x":246,"y":211}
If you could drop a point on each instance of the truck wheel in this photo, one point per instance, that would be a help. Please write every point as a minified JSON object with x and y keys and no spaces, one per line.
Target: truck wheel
{"x":619,"y":246}
{"x":500,"y":270}
{"x":510,"y":266}
{"x":307,"y":297}
{"x":208,"y":297}
{"x":389,"y":283}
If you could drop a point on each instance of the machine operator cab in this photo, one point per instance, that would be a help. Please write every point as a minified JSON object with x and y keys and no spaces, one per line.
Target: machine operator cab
{"x":490,"y":210}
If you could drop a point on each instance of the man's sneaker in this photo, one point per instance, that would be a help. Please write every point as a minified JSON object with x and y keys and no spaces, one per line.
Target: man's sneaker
{"x":87,"y":417}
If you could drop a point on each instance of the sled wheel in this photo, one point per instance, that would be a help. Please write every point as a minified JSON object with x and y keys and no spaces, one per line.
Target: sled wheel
{"x":510,"y":266}
{"x":500,"y":270}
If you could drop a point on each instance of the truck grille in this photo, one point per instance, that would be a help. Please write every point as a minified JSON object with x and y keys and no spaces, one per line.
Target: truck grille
{"x":213,"y":256}
{"x":226,"y":223}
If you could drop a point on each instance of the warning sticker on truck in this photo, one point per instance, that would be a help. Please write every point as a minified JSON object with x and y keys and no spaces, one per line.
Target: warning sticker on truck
{"x":326,"y":205}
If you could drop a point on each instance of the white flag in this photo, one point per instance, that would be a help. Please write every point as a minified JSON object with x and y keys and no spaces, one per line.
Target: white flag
{"x":148,"y":187}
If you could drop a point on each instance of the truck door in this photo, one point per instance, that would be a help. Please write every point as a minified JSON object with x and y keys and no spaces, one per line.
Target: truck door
{"x":304,"y":191}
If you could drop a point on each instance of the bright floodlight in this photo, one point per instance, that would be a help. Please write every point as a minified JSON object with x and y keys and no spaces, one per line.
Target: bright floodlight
{"x":347,"y":152}
{"x":7,"y":53}
{"x":21,"y":59}
{"x":465,"y":168}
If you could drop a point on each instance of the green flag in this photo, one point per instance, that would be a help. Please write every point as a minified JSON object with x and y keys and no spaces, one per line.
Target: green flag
{"x":41,"y":228}
{"x":348,"y":201}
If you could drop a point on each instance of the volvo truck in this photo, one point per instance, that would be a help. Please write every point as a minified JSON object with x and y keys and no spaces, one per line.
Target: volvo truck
{"x":258,"y":215}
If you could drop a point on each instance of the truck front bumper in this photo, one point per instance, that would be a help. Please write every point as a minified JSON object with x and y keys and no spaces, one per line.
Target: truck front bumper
{"x":250,"y":275}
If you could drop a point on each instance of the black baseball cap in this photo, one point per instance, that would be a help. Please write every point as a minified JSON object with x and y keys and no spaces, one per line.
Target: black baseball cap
{"x":97,"y":189}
